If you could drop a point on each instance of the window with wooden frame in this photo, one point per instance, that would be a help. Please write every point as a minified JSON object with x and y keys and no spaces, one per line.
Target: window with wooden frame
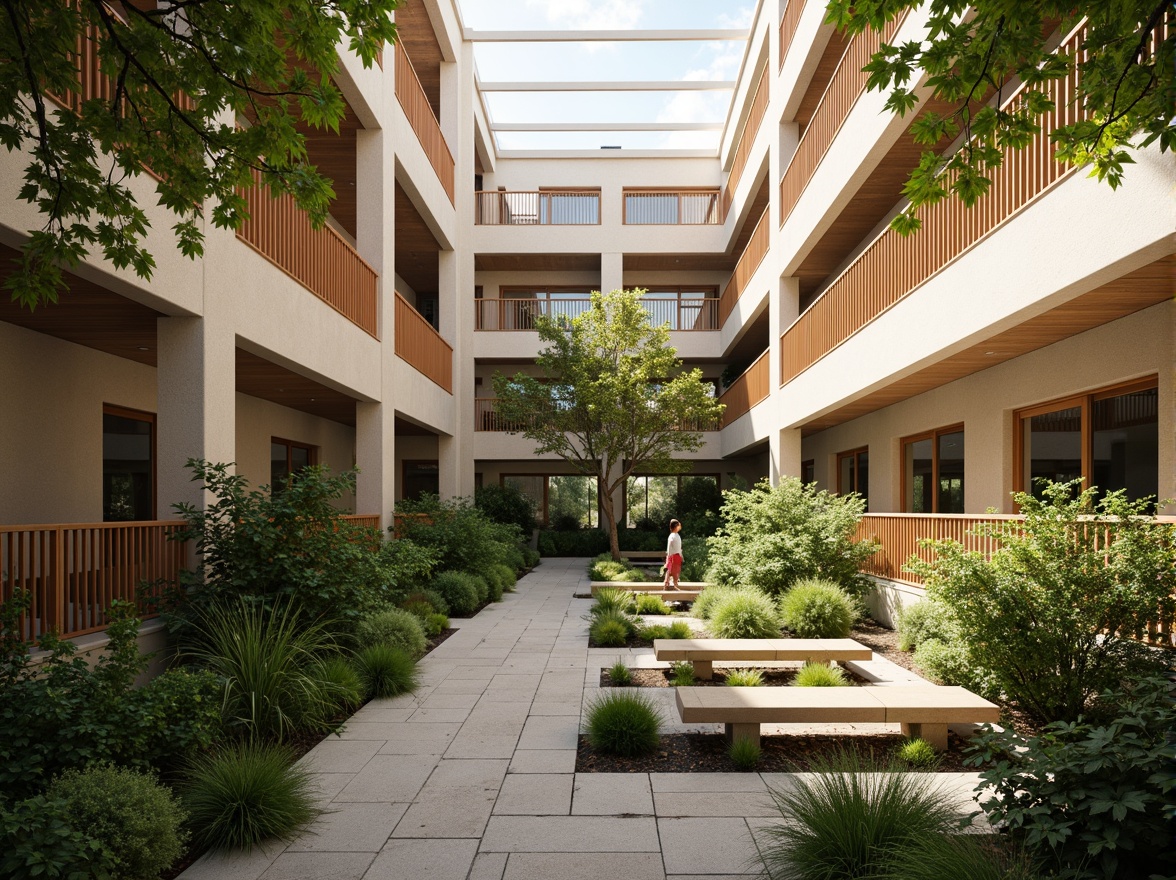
{"x":420,"y":478}
{"x":518,"y":305}
{"x":1108,"y":438}
{"x":654,"y":496}
{"x":569,"y":205}
{"x":853,"y":473}
{"x":933,"y":471}
{"x":128,"y":464}
{"x":560,"y":498}
{"x":287,"y":459}
{"x":682,"y":206}
{"x":683,"y":308}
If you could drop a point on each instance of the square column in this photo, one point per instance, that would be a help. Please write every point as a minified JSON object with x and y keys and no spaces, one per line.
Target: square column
{"x":612,"y":275}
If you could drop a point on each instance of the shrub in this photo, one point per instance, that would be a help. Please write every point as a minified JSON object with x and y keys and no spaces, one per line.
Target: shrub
{"x":386,"y":671}
{"x":820,"y":675}
{"x":1088,"y":800}
{"x":430,"y":598}
{"x":610,"y":631}
{"x":481,"y":587}
{"x":745,"y":614}
{"x":773,"y":536}
{"x":620,"y":675}
{"x":496,"y":586}
{"x":1051,"y":616}
{"x":342,"y":681}
{"x":610,"y":601}
{"x":459,"y":592}
{"x":947,"y":662}
{"x":38,"y":841}
{"x":506,"y":504}
{"x":506,"y":576}
{"x":247,"y":795}
{"x":745,"y":678}
{"x":623,"y":722}
{"x":918,"y":753}
{"x":707,"y":599}
{"x":605,"y":568}
{"x":462,"y":536}
{"x":531,"y":557}
{"x":574,"y":542}
{"x":924,"y":620}
{"x":695,"y":556}
{"x":647,"y":604}
{"x":435,"y":624}
{"x":137,"y":820}
{"x":962,"y":857}
{"x":818,"y":609}
{"x":682,"y":673}
{"x":395,"y":627}
{"x":744,"y":754}
{"x":680,"y":629}
{"x":848,"y":820}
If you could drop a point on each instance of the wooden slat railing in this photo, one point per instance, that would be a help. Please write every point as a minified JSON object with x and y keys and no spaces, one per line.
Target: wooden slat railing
{"x":519,"y":314}
{"x":72,"y":572}
{"x":894,"y":265}
{"x":690,"y":207}
{"x":845,"y":87}
{"x":421,"y":346}
{"x":755,"y":116}
{"x":788,"y":23}
{"x":420,"y":115}
{"x":371,"y":520}
{"x":753,"y":254}
{"x":536,"y":208}
{"x":487,"y":418}
{"x":318,"y":259}
{"x":746,"y":391}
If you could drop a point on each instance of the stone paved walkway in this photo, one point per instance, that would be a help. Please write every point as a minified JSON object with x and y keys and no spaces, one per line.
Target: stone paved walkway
{"x":473,"y":777}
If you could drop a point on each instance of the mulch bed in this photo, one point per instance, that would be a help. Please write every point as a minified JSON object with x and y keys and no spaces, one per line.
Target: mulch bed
{"x":661,"y":678}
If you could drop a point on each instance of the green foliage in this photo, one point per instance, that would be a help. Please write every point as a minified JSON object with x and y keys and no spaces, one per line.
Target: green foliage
{"x":506,"y":576}
{"x":580,"y":542}
{"x":1050,"y":618}
{"x":461,"y":536}
{"x":423,"y":602}
{"x":647,"y":604}
{"x":385,"y":671}
{"x":773,"y":536}
{"x":850,"y":820}
{"x":818,"y":609}
{"x":744,"y":614}
{"x":623,"y":722}
{"x":1088,"y":799}
{"x":604,"y":568}
{"x":342,"y":682}
{"x":611,"y":397}
{"x":38,"y":841}
{"x":611,"y":600}
{"x":708,"y":598}
{"x":481,"y":588}
{"x":459,"y":591}
{"x":506,"y":503}
{"x":395,"y":627}
{"x":272,"y":63}
{"x":531,"y":557}
{"x":136,"y":820}
{"x":744,"y":754}
{"x":918,"y":753}
{"x":928,"y":619}
{"x":435,"y":624}
{"x":820,"y":675}
{"x":962,"y":857}
{"x":620,"y":675}
{"x":744,"y":678}
{"x":696,"y":557}
{"x":681,"y":673}
{"x":1125,"y":84}
{"x":492,"y":575}
{"x":678,"y":629}
{"x":947,"y":661}
{"x":247,"y":795}
{"x":610,"y":631}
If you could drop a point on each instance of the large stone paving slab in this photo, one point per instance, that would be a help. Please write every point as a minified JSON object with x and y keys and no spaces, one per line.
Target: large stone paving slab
{"x":456,"y":801}
{"x":707,"y":846}
{"x":584,"y":866}
{"x":569,"y":834}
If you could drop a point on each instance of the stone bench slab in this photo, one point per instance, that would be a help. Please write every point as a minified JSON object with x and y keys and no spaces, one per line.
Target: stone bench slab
{"x":646,"y":586}
{"x":761,"y":649}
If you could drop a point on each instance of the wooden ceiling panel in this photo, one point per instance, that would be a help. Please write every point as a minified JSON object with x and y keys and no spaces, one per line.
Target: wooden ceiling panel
{"x":416,"y":248}
{"x":679,"y":262}
{"x":335,"y":157}
{"x":414,"y":33}
{"x":258,"y":377}
{"x":538,"y":263}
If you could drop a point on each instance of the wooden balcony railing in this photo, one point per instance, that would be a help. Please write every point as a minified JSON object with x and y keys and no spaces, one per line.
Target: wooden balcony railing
{"x":688,"y":207}
{"x":421,"y":346}
{"x":487,"y":418}
{"x":420,"y":115}
{"x":788,"y":23}
{"x":318,"y":259}
{"x":73,"y":572}
{"x":755,"y":116}
{"x":746,"y":391}
{"x":538,"y":208}
{"x":753,"y":254}
{"x":519,"y":314}
{"x":845,"y":87}
{"x":894,"y":265}
{"x":371,"y":520}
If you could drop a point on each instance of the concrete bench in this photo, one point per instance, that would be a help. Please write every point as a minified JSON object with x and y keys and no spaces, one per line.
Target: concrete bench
{"x":653,"y":590}
{"x":646,"y":586}
{"x":704,"y":652}
{"x":922,"y":710}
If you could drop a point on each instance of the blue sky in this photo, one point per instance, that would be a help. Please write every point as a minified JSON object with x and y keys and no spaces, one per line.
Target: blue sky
{"x":711,"y":60}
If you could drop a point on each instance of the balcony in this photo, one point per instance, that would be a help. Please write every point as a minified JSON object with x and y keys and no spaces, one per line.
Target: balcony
{"x":788,"y":25}
{"x":487,"y":418}
{"x":753,"y":254}
{"x":539,"y":208}
{"x":685,"y":207}
{"x":420,"y":116}
{"x":746,"y":391}
{"x":422,"y":347}
{"x":684,"y":314}
{"x":755,"y":116}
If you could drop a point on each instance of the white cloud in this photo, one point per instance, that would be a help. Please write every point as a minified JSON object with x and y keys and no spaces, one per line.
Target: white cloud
{"x":590,"y":15}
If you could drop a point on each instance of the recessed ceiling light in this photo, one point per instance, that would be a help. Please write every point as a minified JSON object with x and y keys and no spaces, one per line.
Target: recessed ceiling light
{"x":144,"y":348}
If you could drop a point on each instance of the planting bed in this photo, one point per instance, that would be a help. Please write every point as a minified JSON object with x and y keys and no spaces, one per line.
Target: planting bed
{"x":660,"y":678}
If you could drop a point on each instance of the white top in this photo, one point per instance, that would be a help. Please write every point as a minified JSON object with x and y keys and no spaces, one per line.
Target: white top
{"x":674,"y":544}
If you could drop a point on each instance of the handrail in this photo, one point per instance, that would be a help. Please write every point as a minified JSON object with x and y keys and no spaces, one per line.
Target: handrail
{"x":745,"y":392}
{"x":753,"y":254}
{"x":419,"y":112}
{"x":788,"y":25}
{"x":575,"y":207}
{"x":419,"y":344}
{"x":684,"y":207}
{"x":755,"y":116}
{"x":685,"y":315}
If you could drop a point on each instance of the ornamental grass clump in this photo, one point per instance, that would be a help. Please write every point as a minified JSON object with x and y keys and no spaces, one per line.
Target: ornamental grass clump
{"x":744,"y":678}
{"x":609,"y":600}
{"x":707,"y":599}
{"x":623,"y":722}
{"x":681,"y":673}
{"x":620,"y":675}
{"x":918,"y":753}
{"x":386,"y":671}
{"x":654,"y":605}
{"x":745,"y":754}
{"x":818,"y":609}
{"x":392,"y":626}
{"x":605,"y":568}
{"x":820,"y":675}
{"x":610,"y":630}
{"x":745,"y":614}
{"x":343,"y":680}
{"x":963,"y":857}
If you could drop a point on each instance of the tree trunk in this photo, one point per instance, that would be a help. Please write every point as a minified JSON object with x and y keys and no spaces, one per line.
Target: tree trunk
{"x":614,"y":545}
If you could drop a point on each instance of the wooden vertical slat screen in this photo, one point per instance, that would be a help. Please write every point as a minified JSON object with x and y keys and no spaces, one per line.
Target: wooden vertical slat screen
{"x":893,"y":265}
{"x":672,"y":208}
{"x":501,"y":207}
{"x":372,"y":520}
{"x":788,"y":23}
{"x":419,"y":345}
{"x":416,"y":107}
{"x":746,"y":391}
{"x":753,"y":254}
{"x":755,"y":116}
{"x":318,"y":259}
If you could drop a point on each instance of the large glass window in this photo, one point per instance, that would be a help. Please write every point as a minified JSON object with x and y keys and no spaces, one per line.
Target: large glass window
{"x":933,"y":471}
{"x":521,"y":304}
{"x":128,"y":465}
{"x":654,"y":499}
{"x":683,"y":308}
{"x":1125,"y":440}
{"x":561,"y":499}
{"x":287,"y":458}
{"x":853,"y":473}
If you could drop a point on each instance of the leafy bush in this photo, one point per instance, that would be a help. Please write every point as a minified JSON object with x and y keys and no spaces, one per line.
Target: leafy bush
{"x":137,"y":821}
{"x":818,"y":609}
{"x":1088,"y":800}
{"x":745,"y":678}
{"x":605,"y":568}
{"x":680,"y":629}
{"x":849,"y":820}
{"x":695,"y":558}
{"x":385,"y":671}
{"x":506,"y":576}
{"x":620,"y":675}
{"x":820,"y":675}
{"x":38,"y":841}
{"x":424,"y":602}
{"x":707,"y":599}
{"x":773,"y":536}
{"x":395,"y":627}
{"x":578,"y":542}
{"x":246,"y":795}
{"x":610,"y":631}
{"x":342,"y":681}
{"x":531,"y":557}
{"x":948,"y":662}
{"x":745,"y":614}
{"x":1050,"y":618}
{"x":435,"y":624}
{"x":506,"y":504}
{"x":462,"y":537}
{"x":744,"y":754}
{"x":918,"y":753}
{"x":459,"y":591}
{"x":682,"y":673}
{"x":647,"y":604}
{"x":481,"y":587}
{"x":924,"y":620}
{"x":495,"y":585}
{"x":623,"y":722}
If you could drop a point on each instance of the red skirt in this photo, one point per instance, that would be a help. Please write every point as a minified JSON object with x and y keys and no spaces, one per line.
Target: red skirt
{"x":674,"y":564}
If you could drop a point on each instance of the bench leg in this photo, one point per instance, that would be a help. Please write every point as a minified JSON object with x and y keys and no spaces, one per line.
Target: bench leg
{"x":736,"y":732}
{"x":936,"y":734}
{"x":704,"y":670}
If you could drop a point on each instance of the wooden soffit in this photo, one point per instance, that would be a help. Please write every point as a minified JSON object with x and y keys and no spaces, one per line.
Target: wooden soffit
{"x":259,"y":377}
{"x":537,"y":262}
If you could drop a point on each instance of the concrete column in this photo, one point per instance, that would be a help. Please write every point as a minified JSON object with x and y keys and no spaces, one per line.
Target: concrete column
{"x":612,"y":275}
{"x":785,"y":454}
{"x":784,"y":443}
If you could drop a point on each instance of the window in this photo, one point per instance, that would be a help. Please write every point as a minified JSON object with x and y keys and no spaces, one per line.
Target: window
{"x":560,"y":499}
{"x":685,"y":207}
{"x":523,"y":303}
{"x":808,"y":472}
{"x":933,"y":471}
{"x":128,"y":465}
{"x":287,"y":458}
{"x":657,"y":498}
{"x":420,"y":478}
{"x":1109,"y":438}
{"x":683,"y":308}
{"x":853,"y":473}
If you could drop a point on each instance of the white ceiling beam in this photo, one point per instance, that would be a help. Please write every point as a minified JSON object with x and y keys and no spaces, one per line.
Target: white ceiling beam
{"x":608,"y":36}
{"x":606,"y":126}
{"x":607,"y":154}
{"x":675,"y":85}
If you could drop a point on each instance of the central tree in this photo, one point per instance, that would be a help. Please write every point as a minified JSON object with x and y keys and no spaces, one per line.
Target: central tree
{"x":613,"y":399}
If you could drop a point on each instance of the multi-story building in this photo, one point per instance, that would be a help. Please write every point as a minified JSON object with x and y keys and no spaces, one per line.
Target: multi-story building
{"x":1032,"y":335}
